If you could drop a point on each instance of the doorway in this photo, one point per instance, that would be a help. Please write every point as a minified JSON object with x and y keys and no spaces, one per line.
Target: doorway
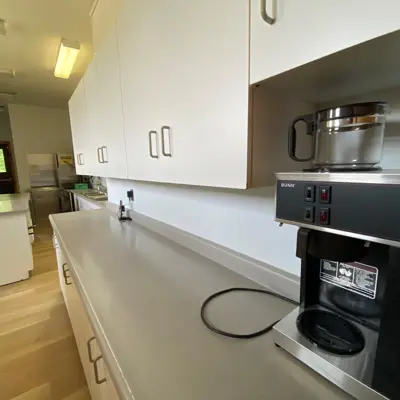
{"x":7,"y":181}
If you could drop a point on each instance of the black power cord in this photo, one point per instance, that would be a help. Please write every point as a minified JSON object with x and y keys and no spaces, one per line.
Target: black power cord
{"x":210,"y":326}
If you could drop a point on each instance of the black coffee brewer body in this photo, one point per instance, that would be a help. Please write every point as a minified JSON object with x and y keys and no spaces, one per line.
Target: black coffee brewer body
{"x":347,"y":325}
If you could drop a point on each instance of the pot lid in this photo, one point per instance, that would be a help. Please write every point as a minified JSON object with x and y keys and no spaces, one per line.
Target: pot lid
{"x":352,"y":110}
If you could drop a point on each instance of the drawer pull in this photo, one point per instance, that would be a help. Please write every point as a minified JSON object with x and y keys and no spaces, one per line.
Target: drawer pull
{"x":100,"y":156}
{"x":91,"y":359}
{"x":105,"y":158}
{"x":152,"y":155}
{"x":166,"y":131}
{"x":264,"y":13}
{"x":96,"y":371}
{"x":65,"y":270}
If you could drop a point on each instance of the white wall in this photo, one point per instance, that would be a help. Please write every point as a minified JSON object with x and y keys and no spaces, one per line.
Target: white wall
{"x":37,"y":130}
{"x":242,"y":220}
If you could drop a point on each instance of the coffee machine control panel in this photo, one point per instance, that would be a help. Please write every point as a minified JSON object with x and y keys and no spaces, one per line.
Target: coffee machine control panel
{"x":314,"y":196}
{"x":365,"y":209}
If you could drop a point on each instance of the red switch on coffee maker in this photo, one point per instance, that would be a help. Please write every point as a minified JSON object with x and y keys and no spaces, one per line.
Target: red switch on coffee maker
{"x":324,"y":216}
{"x":325,"y":194}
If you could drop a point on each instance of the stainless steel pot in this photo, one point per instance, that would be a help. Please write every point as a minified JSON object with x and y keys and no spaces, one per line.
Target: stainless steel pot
{"x":344,"y":137}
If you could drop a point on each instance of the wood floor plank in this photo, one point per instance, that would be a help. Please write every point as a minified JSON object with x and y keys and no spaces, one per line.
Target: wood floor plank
{"x":42,"y":392}
{"x":39,"y":359}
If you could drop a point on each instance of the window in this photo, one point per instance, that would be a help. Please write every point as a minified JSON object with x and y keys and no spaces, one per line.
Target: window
{"x":2,"y":162}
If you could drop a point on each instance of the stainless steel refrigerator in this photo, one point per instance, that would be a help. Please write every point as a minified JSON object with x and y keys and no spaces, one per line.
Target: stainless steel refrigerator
{"x":50,"y":176}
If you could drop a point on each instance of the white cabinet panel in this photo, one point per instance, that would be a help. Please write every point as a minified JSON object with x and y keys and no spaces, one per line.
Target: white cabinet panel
{"x":96,"y":116}
{"x":185,"y":65}
{"x":109,"y":114}
{"x":307,"y":30}
{"x":205,"y":91}
{"x":93,"y":134}
{"x":139,"y":35}
{"x":77,"y":115}
{"x":86,"y":341}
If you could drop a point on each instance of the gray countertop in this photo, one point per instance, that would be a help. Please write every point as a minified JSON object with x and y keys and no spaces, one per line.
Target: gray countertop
{"x":146,"y":292}
{"x":11,"y":203}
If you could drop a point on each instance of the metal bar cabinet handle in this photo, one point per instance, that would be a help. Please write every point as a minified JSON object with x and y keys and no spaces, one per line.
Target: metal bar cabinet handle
{"x":264,"y":14}
{"x":105,"y":159}
{"x":99,"y":156}
{"x":91,"y":359}
{"x":65,"y":274}
{"x":96,"y":371}
{"x":152,"y":155}
{"x":168,"y":129}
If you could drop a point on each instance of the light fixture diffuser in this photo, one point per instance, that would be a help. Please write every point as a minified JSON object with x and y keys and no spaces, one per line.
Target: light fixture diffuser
{"x":67,"y":55}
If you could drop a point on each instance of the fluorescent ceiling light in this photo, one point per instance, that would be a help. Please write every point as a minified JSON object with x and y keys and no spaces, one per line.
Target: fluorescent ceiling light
{"x":66,"y":58}
{"x":3,"y":30}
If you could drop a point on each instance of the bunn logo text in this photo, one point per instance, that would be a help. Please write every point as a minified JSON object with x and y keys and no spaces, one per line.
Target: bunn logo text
{"x":288,"y":185}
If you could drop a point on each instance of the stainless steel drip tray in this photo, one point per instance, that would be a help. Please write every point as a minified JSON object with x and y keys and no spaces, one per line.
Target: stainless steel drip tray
{"x":353,"y":373}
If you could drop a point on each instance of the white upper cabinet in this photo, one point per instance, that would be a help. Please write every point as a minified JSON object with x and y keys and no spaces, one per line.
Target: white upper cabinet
{"x":93,"y":134}
{"x":96,"y":116}
{"x":184,"y":67}
{"x":110,"y":139}
{"x":139,"y":33}
{"x":306,"y":30}
{"x":169,"y":95}
{"x":77,"y":114}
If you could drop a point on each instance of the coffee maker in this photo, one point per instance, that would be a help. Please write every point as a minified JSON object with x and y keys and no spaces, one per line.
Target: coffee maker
{"x":347,"y":327}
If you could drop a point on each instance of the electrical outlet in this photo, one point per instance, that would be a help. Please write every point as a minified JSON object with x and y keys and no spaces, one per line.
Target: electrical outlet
{"x":129,"y":194}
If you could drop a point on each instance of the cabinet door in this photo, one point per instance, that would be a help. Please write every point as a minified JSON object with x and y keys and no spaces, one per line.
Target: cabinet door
{"x":81,"y":326}
{"x":85,"y":339}
{"x":77,"y":115}
{"x":94,"y":131}
{"x":187,"y":70}
{"x":307,"y":30}
{"x":111,"y":127}
{"x":139,"y":44}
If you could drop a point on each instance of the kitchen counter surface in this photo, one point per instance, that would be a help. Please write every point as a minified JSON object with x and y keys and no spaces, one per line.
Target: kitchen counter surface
{"x":146,"y":292}
{"x":11,"y":203}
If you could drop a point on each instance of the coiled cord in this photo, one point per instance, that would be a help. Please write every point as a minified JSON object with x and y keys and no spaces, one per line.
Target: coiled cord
{"x":210,"y":326}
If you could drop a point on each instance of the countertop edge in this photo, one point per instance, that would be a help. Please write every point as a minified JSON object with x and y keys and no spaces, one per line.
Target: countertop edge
{"x":22,"y":210}
{"x":22,"y":199}
{"x":112,"y":363}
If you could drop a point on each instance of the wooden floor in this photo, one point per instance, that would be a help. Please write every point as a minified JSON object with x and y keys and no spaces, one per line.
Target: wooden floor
{"x":38,"y":356}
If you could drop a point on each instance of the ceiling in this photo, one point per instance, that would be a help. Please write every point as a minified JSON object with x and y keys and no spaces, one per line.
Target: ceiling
{"x":34,"y":32}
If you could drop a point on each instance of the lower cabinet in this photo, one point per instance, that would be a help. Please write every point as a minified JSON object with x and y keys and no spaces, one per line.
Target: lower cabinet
{"x":97,"y":375}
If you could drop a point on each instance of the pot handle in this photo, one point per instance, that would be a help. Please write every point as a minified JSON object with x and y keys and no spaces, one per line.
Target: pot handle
{"x":292,"y":137}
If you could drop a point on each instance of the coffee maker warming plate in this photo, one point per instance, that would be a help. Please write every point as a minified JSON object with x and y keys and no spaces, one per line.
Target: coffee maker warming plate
{"x":353,"y":374}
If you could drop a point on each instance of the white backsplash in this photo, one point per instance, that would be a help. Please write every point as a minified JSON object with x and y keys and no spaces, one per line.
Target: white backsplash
{"x":240,"y":220}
